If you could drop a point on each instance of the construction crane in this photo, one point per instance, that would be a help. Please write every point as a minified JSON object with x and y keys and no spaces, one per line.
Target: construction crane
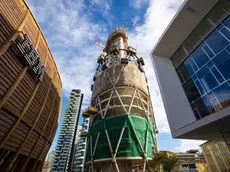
{"x":98,"y":43}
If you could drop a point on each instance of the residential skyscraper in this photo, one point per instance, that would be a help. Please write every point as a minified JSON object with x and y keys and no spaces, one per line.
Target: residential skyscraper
{"x":191,"y":62}
{"x":122,"y":134}
{"x":80,"y":151}
{"x":64,"y":151}
{"x":50,"y":156}
{"x":30,"y":90}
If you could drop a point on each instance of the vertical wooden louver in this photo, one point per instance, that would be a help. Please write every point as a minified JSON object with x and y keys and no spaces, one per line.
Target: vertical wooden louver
{"x":29,"y":108}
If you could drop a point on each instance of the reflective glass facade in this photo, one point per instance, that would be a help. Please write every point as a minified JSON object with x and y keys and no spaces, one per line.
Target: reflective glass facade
{"x":205,"y":73}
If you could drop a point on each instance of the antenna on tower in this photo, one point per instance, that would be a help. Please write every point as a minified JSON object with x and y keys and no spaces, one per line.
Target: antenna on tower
{"x":98,"y":43}
{"x":126,"y":24}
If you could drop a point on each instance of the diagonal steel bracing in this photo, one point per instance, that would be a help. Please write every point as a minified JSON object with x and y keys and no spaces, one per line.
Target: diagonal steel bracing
{"x":103,"y":113}
{"x":134,"y":94}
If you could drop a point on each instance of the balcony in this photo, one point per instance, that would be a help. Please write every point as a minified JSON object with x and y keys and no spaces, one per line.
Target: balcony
{"x":82,"y":144}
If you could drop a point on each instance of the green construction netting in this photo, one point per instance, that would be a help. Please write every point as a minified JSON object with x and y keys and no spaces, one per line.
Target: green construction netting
{"x":129,"y":146}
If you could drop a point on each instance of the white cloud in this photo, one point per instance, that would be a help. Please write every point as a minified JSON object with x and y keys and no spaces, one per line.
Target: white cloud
{"x":137,"y":3}
{"x":161,"y":120}
{"x":103,"y":5}
{"x":71,"y":33}
{"x":188,"y":144}
{"x":144,"y":37}
{"x":135,"y":20}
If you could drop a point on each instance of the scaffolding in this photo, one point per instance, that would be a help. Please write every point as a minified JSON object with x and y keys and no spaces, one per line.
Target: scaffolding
{"x":122,"y":134}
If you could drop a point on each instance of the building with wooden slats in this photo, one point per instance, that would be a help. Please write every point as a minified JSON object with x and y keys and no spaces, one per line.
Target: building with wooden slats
{"x":30,"y":90}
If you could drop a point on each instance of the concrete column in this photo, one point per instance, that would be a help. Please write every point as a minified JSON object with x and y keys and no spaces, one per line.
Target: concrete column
{"x":170,"y":85}
{"x":223,"y":159}
{"x":215,"y":161}
{"x":208,"y":163}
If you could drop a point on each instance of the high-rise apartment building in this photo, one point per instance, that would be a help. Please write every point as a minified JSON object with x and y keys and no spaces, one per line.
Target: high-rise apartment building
{"x":217,"y":155}
{"x":30,"y":90}
{"x":64,"y":151}
{"x":79,"y":127}
{"x":191,"y":62}
{"x":50,"y":156}
{"x":80,"y":151}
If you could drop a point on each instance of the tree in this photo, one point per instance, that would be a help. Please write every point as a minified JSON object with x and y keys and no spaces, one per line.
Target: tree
{"x":170,"y":163}
{"x":167,"y":160}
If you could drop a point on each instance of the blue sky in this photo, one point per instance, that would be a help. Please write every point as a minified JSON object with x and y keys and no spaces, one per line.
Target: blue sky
{"x":70,"y":28}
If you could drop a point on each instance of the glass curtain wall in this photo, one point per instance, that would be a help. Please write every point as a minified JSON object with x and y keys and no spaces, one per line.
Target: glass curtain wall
{"x":205,"y":72}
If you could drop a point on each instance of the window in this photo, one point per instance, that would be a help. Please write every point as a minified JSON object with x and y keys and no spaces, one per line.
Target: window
{"x":208,"y":51}
{"x":217,"y":74}
{"x":217,"y":153}
{"x":218,"y":13}
{"x":228,"y":152}
{"x":199,"y":87}
{"x":200,"y":57}
{"x":223,"y":62}
{"x":216,"y":104}
{"x":216,"y":41}
{"x":228,"y":160}
{"x":223,"y":94}
{"x":189,"y":67}
{"x":205,"y":73}
{"x":191,"y":91}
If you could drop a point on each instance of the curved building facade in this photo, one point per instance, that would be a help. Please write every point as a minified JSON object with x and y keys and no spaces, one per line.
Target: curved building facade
{"x":122,"y":127}
{"x":30,"y":90}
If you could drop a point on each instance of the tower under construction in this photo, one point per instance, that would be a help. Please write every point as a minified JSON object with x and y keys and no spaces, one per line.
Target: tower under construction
{"x":122,"y":134}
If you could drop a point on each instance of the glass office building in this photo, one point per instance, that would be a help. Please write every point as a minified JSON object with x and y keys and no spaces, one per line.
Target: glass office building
{"x":205,"y":73}
{"x":192,"y":65}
